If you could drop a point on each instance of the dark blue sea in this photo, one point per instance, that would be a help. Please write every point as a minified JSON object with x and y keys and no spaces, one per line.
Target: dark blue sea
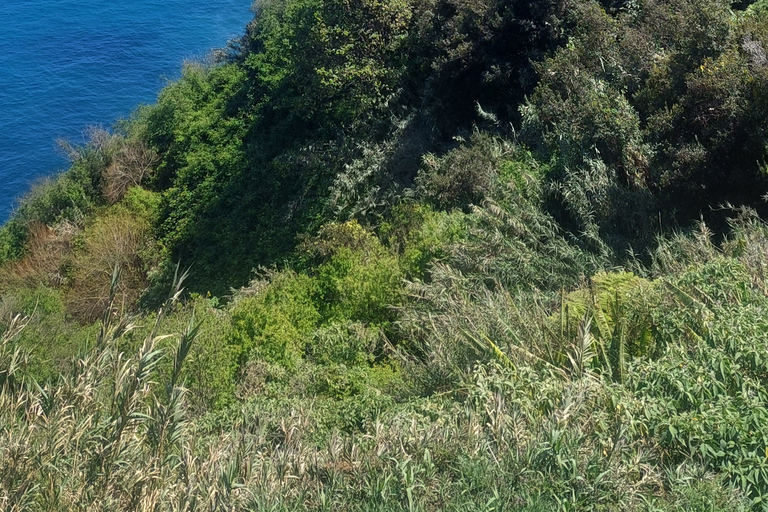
{"x":68,"y":64}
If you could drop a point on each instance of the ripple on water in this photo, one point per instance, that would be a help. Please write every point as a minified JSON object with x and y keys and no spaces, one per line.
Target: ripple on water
{"x":67,"y":64}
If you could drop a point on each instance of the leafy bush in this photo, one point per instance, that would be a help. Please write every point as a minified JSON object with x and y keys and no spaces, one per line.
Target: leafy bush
{"x":13,"y":236}
{"x":352,"y":344}
{"x":210,"y":368}
{"x":465,"y":175}
{"x":358,"y":278}
{"x":703,"y":393}
{"x":662,"y":96}
{"x":275,"y":323}
{"x":60,"y":201}
{"x":583,"y":117}
{"x":73,"y":194}
{"x":143,"y":203}
{"x":311,"y":57}
{"x":589,"y":129}
{"x":421,"y":236}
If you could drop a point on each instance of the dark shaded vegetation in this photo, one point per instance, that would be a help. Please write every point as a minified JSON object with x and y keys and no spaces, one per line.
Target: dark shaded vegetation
{"x":444,"y":255}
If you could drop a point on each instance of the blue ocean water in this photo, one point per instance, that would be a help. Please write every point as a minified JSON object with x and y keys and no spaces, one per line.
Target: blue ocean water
{"x":67,"y":64}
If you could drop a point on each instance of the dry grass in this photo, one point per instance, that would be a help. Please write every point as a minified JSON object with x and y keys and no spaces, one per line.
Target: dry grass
{"x":108,"y":438}
{"x":113,"y":434}
{"x":132,"y":163}
{"x":42,"y":263}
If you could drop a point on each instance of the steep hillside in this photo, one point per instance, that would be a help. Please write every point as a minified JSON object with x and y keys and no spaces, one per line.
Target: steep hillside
{"x":408,"y":254}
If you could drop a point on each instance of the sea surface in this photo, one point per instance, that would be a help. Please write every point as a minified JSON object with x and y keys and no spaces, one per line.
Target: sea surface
{"x":69,"y":64}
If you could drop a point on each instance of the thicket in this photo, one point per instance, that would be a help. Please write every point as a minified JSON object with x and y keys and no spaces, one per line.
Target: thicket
{"x":443,"y":255}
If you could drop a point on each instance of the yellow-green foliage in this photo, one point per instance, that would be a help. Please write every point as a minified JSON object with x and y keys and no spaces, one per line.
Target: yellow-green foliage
{"x":618,"y":305}
{"x":210,"y":368}
{"x":142,"y":202}
{"x":348,"y":343}
{"x":275,"y":324}
{"x":354,"y":283}
{"x":117,"y":237}
{"x":359,"y":279}
{"x":50,"y":336}
{"x":420,"y":235}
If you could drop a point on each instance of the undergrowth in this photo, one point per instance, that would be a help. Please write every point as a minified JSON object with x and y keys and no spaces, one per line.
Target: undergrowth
{"x":445,"y":255}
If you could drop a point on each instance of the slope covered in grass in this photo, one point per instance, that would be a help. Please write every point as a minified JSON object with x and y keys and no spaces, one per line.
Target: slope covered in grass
{"x":443,"y":255}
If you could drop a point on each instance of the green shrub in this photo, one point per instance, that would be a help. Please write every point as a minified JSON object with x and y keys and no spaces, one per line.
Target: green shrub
{"x":584,"y":117}
{"x":312,"y":61}
{"x":143,"y":203}
{"x":351,"y":344}
{"x":464,"y":176}
{"x":276,"y":323}
{"x":66,"y":198}
{"x":210,"y":368}
{"x":51,"y":337}
{"x":359,"y":279}
{"x":522,"y":173}
{"x":70,"y":196}
{"x":421,"y":236}
{"x":13,"y":237}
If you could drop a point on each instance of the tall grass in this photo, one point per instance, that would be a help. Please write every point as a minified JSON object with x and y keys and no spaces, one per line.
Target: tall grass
{"x":525,"y":418}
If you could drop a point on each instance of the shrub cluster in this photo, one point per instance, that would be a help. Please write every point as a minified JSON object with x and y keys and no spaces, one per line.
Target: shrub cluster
{"x":482,"y":277}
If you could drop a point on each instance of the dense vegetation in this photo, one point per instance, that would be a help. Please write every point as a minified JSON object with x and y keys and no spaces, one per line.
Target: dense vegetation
{"x":443,"y":255}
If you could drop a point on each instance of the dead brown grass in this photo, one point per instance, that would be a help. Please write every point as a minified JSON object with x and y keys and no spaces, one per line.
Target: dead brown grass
{"x":131,"y":164}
